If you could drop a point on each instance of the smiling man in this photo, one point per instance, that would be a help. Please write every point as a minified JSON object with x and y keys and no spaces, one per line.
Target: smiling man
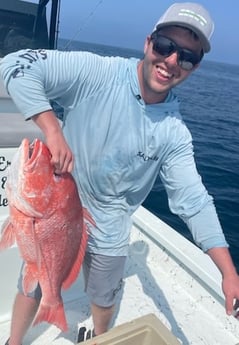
{"x":122,"y":128}
{"x":174,"y":50}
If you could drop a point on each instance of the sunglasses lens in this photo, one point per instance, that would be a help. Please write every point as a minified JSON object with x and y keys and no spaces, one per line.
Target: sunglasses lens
{"x":165,"y":47}
{"x":187,"y":59}
{"x":186,"y":65}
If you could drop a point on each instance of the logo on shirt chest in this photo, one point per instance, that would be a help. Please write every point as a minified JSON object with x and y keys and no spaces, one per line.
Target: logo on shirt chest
{"x":147,"y":158}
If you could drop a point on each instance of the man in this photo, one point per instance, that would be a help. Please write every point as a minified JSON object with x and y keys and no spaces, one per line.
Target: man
{"x":122,"y":127}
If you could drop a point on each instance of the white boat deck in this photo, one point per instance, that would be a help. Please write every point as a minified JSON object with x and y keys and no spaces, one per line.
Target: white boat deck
{"x":183,"y":291}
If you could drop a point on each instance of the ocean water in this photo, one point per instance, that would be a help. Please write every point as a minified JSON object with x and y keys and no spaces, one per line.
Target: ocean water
{"x":210,"y":108}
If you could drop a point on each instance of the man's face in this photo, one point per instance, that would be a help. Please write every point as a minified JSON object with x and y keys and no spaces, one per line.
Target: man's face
{"x":158,"y":73}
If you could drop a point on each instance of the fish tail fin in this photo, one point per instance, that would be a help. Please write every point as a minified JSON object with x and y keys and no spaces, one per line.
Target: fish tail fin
{"x":78,"y":263}
{"x":52,"y":314}
{"x":7,"y":235}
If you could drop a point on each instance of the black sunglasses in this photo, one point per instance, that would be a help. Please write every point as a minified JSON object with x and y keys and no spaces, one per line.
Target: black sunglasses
{"x":164,"y":46}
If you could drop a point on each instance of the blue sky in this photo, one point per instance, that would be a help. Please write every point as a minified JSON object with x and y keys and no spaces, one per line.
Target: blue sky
{"x":126,"y":23}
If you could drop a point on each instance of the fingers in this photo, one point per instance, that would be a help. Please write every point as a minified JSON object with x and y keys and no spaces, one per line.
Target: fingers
{"x":229,"y":305}
{"x":232,"y":309}
{"x":63,"y":162}
{"x":62,"y":158}
{"x":235,"y":311}
{"x":61,"y":155}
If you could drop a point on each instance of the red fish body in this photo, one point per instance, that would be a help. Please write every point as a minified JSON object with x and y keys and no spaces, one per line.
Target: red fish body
{"x":47,"y":221}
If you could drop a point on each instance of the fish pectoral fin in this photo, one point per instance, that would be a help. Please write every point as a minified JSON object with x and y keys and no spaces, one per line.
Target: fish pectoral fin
{"x":73,"y":274}
{"x":7,"y":235}
{"x":52,"y":314}
{"x":30,"y":279}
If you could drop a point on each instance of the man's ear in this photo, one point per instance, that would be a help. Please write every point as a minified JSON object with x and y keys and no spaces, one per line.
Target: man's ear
{"x":146,"y":43}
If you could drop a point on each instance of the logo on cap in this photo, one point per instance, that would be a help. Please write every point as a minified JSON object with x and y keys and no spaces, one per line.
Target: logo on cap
{"x":191,"y":14}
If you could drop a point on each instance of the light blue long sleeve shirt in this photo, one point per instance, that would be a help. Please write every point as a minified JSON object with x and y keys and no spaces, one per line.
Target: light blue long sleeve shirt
{"x":120,"y":144}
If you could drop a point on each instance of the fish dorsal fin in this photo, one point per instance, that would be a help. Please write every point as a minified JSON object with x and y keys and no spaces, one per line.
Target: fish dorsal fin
{"x":80,"y":257}
{"x":73,"y":274}
{"x":87,"y":216}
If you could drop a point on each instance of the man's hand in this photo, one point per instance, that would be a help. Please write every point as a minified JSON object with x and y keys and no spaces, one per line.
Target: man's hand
{"x":230,"y":287}
{"x":230,"y":278}
{"x":62,"y":157}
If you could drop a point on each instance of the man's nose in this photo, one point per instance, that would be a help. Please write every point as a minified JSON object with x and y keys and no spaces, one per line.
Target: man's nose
{"x":172,"y":59}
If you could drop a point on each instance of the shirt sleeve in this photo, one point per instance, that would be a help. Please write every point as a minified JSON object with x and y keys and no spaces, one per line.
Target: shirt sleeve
{"x":34,"y":77}
{"x":23,"y":80}
{"x":187,"y":195}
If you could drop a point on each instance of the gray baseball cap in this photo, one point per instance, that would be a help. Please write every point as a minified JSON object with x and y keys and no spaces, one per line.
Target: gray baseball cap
{"x":192,"y":16}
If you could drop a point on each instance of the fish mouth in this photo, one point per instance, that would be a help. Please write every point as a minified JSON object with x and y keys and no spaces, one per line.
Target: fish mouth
{"x":33,"y":149}
{"x":31,"y":153}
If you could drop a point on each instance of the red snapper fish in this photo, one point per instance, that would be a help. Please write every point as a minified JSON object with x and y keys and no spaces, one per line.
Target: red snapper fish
{"x":49,"y":225}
